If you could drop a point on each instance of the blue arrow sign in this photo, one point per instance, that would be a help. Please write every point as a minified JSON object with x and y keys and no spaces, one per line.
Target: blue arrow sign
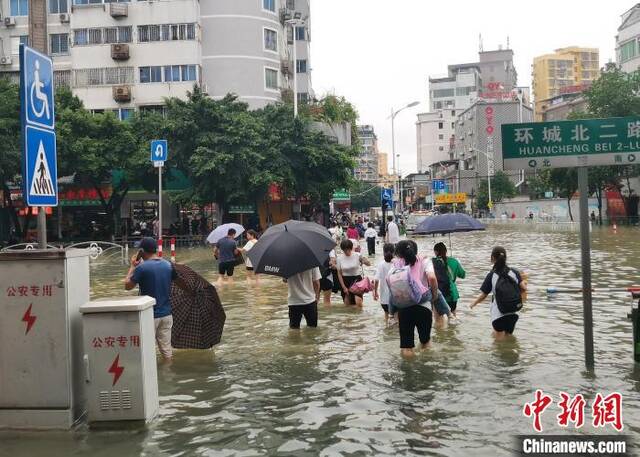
{"x":40,"y":168}
{"x":37,"y":87}
{"x":159,"y":150}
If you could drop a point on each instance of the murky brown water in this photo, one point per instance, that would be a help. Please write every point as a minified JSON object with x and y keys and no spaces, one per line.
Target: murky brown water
{"x":344,"y":390}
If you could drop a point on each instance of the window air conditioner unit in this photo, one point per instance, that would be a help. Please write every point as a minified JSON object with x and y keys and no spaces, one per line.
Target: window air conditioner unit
{"x":118,"y":10}
{"x":10,"y":21}
{"x":122,"y":94}
{"x":120,"y":51}
{"x":5,"y":60}
{"x":65,"y":18}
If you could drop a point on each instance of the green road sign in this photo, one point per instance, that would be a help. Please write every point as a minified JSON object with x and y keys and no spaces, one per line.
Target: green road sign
{"x":242,"y":209}
{"x":341,"y":195}
{"x":563,"y":144}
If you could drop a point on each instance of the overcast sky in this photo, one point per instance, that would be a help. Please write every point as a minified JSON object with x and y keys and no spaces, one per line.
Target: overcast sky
{"x":380,"y":53}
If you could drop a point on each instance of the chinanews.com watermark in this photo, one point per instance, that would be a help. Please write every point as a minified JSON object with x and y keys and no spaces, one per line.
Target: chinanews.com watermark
{"x":603,"y":413}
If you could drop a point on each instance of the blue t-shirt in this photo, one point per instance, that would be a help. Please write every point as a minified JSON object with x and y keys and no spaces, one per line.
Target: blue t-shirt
{"x":154,"y":278}
{"x":227,"y":250}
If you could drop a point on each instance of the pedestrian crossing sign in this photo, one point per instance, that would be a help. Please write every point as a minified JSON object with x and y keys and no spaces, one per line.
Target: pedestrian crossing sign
{"x":40,"y":168}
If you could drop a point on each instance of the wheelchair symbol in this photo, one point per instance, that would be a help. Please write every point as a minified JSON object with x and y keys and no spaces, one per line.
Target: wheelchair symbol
{"x":36,"y":91}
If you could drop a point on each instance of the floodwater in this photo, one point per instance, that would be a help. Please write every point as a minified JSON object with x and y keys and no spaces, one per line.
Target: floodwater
{"x":343,"y":389}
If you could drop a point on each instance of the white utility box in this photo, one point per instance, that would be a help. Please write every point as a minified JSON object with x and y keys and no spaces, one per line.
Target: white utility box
{"x":41,"y":369}
{"x":120,"y":359}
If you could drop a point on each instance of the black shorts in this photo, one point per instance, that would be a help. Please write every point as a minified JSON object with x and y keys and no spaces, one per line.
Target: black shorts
{"x":506,"y":323}
{"x":310,"y":313}
{"x":410,"y":318}
{"x":350,"y":281}
{"x":326,"y":284}
{"x":385,"y":308}
{"x":227,"y":268}
{"x":453,"y":305}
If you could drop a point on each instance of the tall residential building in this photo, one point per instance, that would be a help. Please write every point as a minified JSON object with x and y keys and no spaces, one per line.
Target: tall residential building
{"x":435,"y":133}
{"x":627,"y":44}
{"x":367,"y":167}
{"x":568,"y":70}
{"x":493,"y":78}
{"x":126,"y":56}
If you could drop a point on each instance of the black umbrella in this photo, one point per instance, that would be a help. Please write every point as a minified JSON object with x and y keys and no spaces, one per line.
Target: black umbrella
{"x":448,"y":224}
{"x":290,"y":248}
{"x":198,"y":320}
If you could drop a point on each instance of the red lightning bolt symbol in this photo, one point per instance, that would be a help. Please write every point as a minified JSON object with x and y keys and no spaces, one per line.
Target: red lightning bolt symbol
{"x":116,"y":370}
{"x":29,"y":319}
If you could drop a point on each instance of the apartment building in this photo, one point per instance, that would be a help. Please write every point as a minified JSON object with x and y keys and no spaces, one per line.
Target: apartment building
{"x":367,"y":166}
{"x":126,"y":56}
{"x":567,"y":70}
{"x":627,"y":40}
{"x":435,"y":134}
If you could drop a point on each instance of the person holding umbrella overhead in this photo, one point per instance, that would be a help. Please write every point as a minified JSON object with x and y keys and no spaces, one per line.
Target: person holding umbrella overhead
{"x":295,"y":250}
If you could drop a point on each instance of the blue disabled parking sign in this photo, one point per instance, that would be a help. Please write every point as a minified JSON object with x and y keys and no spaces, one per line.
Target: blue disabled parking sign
{"x":38,"y":88}
{"x":39,"y":162}
{"x":159,"y":151}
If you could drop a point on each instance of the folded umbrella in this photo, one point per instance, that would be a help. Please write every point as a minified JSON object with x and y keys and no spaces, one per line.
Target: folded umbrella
{"x":222,"y":231}
{"x":198,"y":319}
{"x":290,"y":248}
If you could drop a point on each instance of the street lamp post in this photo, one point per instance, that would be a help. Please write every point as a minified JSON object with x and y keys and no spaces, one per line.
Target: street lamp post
{"x":393,"y":143}
{"x":293,"y":23}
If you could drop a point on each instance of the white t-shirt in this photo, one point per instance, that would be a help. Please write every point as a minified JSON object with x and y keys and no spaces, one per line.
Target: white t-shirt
{"x":393,"y":233}
{"x":247,"y":247}
{"x":350,"y":265}
{"x":382,"y":271}
{"x":370,"y":233}
{"x":301,"y":291}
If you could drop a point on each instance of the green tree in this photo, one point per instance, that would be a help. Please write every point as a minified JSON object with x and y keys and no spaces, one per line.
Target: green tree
{"x":564,"y":182}
{"x":10,"y":144}
{"x":365,"y":195}
{"x":92,"y":147}
{"x":501,"y":188}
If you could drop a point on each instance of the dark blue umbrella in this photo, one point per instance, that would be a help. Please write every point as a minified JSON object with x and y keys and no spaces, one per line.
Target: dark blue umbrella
{"x":448,"y":223}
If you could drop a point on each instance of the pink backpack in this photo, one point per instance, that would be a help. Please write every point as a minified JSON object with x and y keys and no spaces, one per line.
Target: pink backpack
{"x":405,"y":290}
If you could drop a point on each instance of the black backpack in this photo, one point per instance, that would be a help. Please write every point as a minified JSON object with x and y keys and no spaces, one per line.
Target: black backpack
{"x":442,"y":274}
{"x":507,"y":293}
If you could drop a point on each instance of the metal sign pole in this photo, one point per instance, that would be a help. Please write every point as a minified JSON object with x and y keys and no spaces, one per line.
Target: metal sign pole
{"x":585,"y":244}
{"x":160,"y":202}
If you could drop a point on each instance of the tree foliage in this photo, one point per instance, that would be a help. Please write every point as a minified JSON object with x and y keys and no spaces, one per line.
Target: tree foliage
{"x":501,"y":188}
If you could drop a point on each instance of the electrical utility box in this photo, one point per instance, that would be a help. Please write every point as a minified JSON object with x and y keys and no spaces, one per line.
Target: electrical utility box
{"x":120,"y":359}
{"x":41,"y":368}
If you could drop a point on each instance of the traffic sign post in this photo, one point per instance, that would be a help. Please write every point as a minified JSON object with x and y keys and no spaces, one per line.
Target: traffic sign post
{"x":159,"y":154}
{"x":39,"y":161}
{"x":567,"y":144}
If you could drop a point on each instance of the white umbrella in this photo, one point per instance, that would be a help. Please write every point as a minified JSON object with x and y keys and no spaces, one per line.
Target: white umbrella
{"x":222,"y":231}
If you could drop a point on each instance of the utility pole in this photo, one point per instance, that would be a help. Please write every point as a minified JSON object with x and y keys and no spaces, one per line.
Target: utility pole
{"x":38,"y":41}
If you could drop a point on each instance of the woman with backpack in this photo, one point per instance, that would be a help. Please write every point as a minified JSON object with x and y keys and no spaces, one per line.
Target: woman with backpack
{"x":411,"y":285}
{"x":380,"y":283}
{"x":349,"y":268}
{"x":447,"y":270}
{"x":507,"y":286}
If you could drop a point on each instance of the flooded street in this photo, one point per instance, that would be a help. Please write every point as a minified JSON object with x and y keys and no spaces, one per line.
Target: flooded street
{"x":343,"y":389}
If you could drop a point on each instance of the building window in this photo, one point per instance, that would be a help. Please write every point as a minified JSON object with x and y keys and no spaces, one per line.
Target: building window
{"x":301,"y":66}
{"x":269,"y":5}
{"x":441,"y":137}
{"x":271,"y":78}
{"x":151,"y":74}
{"x":59,"y":43}
{"x":58,"y":6}
{"x":80,"y":37}
{"x":166,"y":32}
{"x":453,"y":113}
{"x":172,"y":73}
{"x":628,"y":50}
{"x":189,"y":72}
{"x":440,"y":148}
{"x":270,"y":40}
{"x":101,"y":76}
{"x":440,"y":93}
{"x":440,"y":125}
{"x":117,"y":34}
{"x":124,"y":114}
{"x":19,"y":7}
{"x":300,"y":33}
{"x":303,"y":97}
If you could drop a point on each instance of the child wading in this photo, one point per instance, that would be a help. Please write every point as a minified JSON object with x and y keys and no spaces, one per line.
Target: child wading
{"x":371,"y":235}
{"x":447,"y":270}
{"x":507,"y":286}
{"x":382,"y":271}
